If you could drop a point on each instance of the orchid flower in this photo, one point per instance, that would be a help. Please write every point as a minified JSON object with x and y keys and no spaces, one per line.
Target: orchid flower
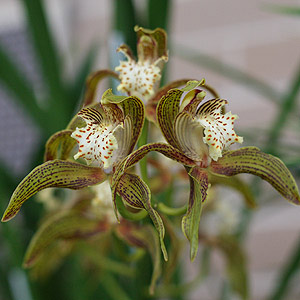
{"x":141,"y":78}
{"x":203,"y":133}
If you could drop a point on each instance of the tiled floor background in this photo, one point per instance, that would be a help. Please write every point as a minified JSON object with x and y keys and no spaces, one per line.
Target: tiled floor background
{"x":244,"y":34}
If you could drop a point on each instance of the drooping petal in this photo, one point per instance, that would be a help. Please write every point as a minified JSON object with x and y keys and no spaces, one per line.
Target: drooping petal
{"x":268,"y":167}
{"x":54,"y":173}
{"x":218,"y":128}
{"x":136,"y":193}
{"x":65,"y":225}
{"x":97,"y":143}
{"x":63,"y":139}
{"x":191,"y":220}
{"x":143,"y":237}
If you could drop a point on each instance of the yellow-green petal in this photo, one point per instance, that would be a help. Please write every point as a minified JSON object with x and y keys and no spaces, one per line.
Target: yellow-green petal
{"x":59,"y":145}
{"x":191,"y":220}
{"x":54,"y":173}
{"x":136,"y":193}
{"x":253,"y":161}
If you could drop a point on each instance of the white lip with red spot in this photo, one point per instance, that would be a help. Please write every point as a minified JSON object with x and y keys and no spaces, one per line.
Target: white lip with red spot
{"x":97,"y":143}
{"x":138,"y":78}
{"x":218,"y":128}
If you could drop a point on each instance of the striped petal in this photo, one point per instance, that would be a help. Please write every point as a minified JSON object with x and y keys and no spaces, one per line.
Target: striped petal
{"x":253,"y":161}
{"x":136,"y":193}
{"x":54,"y":173}
{"x":191,"y":220}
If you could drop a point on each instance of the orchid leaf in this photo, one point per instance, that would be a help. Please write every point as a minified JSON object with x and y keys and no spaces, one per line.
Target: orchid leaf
{"x":137,"y":194}
{"x":66,"y":225}
{"x":92,"y":84}
{"x":54,"y":173}
{"x":191,"y":220}
{"x":143,"y":237}
{"x":59,"y":141}
{"x":268,"y":167}
{"x":236,"y":183}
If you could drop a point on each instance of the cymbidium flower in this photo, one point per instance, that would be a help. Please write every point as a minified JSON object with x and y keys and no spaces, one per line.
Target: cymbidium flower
{"x":141,"y":78}
{"x":202,"y":132}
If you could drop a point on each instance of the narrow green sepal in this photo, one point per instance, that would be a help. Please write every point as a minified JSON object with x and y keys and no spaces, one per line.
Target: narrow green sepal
{"x":253,"y":161}
{"x":136,"y":193}
{"x":190,"y":222}
{"x":54,"y":173}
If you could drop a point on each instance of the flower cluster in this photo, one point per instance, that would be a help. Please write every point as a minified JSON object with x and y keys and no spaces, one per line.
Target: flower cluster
{"x":99,"y":145}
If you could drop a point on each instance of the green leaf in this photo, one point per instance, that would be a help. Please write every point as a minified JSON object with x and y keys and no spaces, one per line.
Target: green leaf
{"x":137,"y":194}
{"x":143,"y":237}
{"x":54,"y":173}
{"x":63,"y":139}
{"x":284,"y":9}
{"x":268,"y":167}
{"x":66,"y":225}
{"x":92,"y":84}
{"x":191,"y":220}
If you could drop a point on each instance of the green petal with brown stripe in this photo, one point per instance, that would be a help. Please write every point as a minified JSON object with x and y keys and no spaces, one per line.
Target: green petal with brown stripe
{"x":140,"y":153}
{"x":136,"y":193}
{"x":65,"y":225}
{"x":54,"y":173}
{"x":169,"y":107}
{"x":59,"y":145}
{"x":253,"y":161}
{"x":132,"y":107}
{"x":191,"y":220}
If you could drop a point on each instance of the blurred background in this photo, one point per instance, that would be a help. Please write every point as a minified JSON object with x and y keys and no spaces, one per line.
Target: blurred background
{"x":248,"y":50}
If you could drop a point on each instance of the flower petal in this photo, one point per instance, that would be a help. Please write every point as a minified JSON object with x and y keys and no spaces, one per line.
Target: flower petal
{"x":189,"y":135}
{"x":132,"y":107}
{"x":136,"y":193}
{"x":54,"y":173}
{"x":143,"y":237}
{"x":268,"y":167}
{"x":167,"y":110}
{"x":152,"y":103}
{"x":218,"y":133}
{"x":64,"y":225}
{"x":152,"y":44}
{"x":63,"y":139}
{"x":191,"y":220}
{"x":92,"y":84}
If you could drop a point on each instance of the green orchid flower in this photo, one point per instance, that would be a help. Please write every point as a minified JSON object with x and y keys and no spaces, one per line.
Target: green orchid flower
{"x":203,"y":133}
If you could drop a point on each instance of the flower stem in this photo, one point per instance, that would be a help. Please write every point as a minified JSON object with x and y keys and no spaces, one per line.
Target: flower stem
{"x":125,"y":213}
{"x":172,"y":211}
